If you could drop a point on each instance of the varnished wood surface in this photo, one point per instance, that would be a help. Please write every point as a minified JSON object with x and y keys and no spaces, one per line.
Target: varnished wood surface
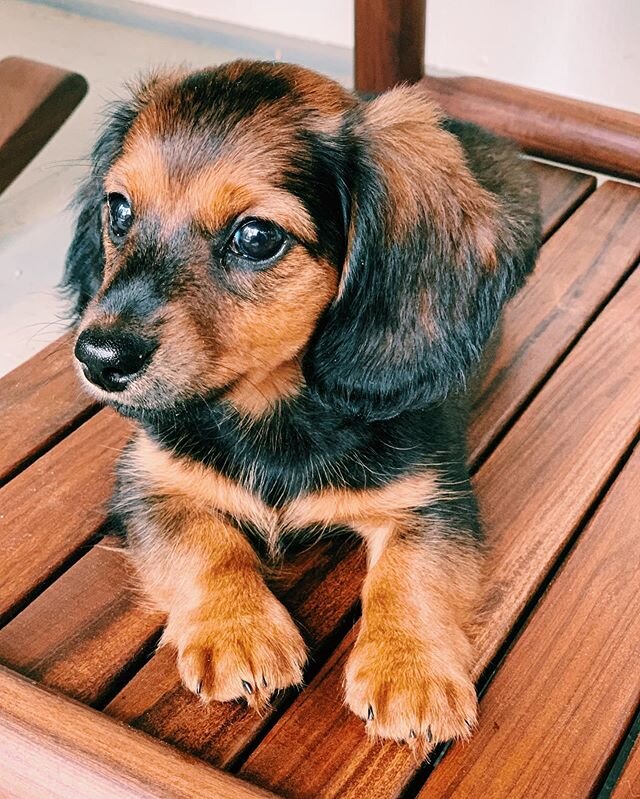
{"x":577,"y":270}
{"x":572,"y":131}
{"x":572,"y":680}
{"x":561,"y":192}
{"x":627,"y":785}
{"x":85,"y":631}
{"x":55,"y":507}
{"x":533,"y":491}
{"x":40,"y":402}
{"x":36,"y":100}
{"x":389,"y":43}
{"x":53,"y":747}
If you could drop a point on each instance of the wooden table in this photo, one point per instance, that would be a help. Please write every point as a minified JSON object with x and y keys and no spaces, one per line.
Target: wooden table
{"x":88,"y":708}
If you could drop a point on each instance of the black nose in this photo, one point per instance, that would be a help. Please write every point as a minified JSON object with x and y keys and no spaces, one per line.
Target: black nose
{"x":112,"y":359}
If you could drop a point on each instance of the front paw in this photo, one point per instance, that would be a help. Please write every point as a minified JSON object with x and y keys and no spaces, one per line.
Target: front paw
{"x":411,"y":690}
{"x":246,"y":655}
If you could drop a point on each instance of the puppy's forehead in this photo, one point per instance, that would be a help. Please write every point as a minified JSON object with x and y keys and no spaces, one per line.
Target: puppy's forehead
{"x":221,"y":142}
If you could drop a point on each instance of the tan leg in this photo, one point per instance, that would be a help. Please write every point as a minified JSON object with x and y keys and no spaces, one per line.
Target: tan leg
{"x":234,"y":638}
{"x":409,"y":673}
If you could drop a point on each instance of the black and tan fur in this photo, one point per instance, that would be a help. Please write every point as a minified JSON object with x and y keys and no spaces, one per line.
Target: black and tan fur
{"x":325,"y":390}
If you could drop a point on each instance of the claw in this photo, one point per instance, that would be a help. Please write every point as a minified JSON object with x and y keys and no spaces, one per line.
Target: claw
{"x":199,"y":688}
{"x":412,"y":733}
{"x":429,"y":735}
{"x":247,"y":687}
{"x":370,"y":715}
{"x":264,"y":681}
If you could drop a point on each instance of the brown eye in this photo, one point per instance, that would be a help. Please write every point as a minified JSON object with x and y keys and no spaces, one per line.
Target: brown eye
{"x":120,"y":214}
{"x":258,"y":240}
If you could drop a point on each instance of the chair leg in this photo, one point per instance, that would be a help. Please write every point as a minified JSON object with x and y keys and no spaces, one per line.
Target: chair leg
{"x":389,"y":43}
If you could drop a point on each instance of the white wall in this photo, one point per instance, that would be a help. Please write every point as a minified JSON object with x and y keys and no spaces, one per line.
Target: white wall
{"x":588,"y":49}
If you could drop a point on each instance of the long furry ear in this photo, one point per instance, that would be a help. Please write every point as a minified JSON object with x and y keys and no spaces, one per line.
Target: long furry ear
{"x":84,"y":264}
{"x":444,"y":230}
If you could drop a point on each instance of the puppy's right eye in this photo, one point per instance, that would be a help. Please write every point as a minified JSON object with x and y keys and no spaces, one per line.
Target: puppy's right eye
{"x":258,"y":241}
{"x":120,"y":215}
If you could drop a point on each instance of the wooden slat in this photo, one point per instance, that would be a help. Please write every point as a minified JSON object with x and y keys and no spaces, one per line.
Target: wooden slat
{"x":577,"y":269}
{"x":627,"y":786}
{"x":389,"y":43}
{"x":40,"y":401}
{"x":561,"y":192}
{"x":572,"y":680}
{"x":54,"y":507}
{"x":534,"y":490}
{"x":82,"y":633}
{"x":36,"y":100}
{"x":53,"y":747}
{"x":559,"y":128}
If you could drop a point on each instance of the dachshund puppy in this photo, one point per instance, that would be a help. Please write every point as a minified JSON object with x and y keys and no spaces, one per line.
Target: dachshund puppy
{"x":288,"y":289}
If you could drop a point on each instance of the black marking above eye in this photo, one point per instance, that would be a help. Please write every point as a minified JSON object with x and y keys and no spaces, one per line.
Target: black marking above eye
{"x":258,"y":241}
{"x":120,"y":214}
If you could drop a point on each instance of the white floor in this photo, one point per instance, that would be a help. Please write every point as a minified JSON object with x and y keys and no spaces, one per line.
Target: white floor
{"x":109,"y":42}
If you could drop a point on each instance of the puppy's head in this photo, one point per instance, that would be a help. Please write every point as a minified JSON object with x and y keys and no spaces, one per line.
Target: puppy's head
{"x":254,"y":227}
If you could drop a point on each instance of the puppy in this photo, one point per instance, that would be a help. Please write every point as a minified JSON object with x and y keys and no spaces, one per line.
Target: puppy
{"x":288,"y":290}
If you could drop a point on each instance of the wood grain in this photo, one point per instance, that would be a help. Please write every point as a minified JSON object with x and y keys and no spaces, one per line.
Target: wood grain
{"x":559,"y":128}
{"x":83,"y":633}
{"x":561,"y":192}
{"x":572,"y":680}
{"x":36,"y":100}
{"x":576,"y":271}
{"x":533,"y":491}
{"x":51,"y":746}
{"x":389,"y":43}
{"x":40,"y":402}
{"x":627,"y":786}
{"x":55,"y":507}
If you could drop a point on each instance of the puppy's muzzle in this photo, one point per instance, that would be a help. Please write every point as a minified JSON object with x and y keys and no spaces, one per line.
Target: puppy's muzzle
{"x":112,"y":359}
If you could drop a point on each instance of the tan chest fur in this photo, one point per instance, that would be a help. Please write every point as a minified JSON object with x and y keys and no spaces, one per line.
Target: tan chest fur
{"x":167,"y":474}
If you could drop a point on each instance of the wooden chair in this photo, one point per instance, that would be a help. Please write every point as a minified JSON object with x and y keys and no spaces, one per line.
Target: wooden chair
{"x":89,"y":708}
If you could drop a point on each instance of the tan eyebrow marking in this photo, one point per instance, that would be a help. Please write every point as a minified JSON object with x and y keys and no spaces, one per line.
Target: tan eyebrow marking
{"x":211,"y":196}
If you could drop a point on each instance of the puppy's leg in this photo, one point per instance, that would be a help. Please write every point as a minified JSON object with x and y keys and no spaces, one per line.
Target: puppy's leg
{"x":409,"y":673}
{"x":234,"y":638}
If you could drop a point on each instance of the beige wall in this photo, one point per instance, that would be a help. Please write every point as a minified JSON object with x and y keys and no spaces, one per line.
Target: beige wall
{"x":582,"y":48}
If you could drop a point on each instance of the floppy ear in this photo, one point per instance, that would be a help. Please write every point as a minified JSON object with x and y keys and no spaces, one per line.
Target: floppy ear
{"x":84,"y":264}
{"x":433,"y":255}
{"x":85,"y":257}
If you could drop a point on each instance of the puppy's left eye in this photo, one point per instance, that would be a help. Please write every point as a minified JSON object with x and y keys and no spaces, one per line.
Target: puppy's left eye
{"x":258,"y":240}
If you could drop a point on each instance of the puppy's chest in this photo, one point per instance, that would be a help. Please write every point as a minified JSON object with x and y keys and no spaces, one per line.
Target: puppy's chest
{"x":332,"y":506}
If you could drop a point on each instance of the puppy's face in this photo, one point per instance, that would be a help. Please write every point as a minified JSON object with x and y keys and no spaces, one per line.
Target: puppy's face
{"x":250,"y":224}
{"x":222,"y":228}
